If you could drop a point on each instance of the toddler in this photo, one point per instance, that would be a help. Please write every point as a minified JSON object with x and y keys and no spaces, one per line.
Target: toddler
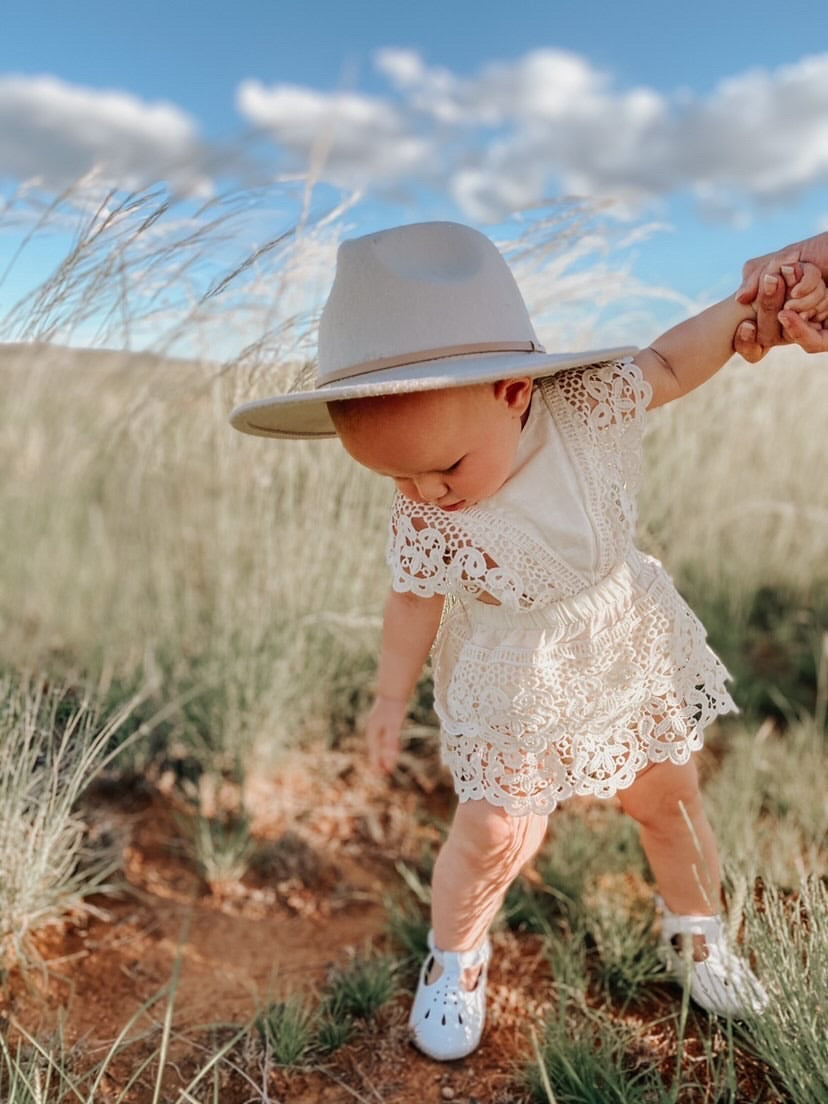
{"x":565,"y":662}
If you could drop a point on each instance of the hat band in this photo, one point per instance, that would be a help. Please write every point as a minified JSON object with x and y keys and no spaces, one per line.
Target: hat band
{"x":425,"y":355}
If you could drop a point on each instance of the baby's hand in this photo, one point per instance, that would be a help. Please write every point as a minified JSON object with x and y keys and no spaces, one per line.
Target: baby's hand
{"x":807,"y":293}
{"x":383,"y":727}
{"x":803,"y":318}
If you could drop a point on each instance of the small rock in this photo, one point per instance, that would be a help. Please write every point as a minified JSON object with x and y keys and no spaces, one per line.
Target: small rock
{"x":447,"y":1092}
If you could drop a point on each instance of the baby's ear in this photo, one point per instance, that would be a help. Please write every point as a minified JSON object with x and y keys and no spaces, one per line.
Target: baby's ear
{"x":516,"y":393}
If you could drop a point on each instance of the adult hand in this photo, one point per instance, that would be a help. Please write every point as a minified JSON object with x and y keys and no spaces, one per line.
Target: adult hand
{"x":813,"y":249}
{"x":765,"y":285}
{"x":777,"y":327}
{"x":753,"y":338}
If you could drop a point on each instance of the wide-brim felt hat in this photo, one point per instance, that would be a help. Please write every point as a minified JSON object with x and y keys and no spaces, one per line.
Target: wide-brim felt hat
{"x":420,"y":307}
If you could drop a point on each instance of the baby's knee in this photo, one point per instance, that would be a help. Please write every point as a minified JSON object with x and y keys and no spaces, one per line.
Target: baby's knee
{"x":665,"y":793}
{"x":492,"y":840}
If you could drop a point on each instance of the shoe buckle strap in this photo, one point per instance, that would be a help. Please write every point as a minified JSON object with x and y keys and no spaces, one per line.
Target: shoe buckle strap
{"x":672,"y":923}
{"x":458,"y":961}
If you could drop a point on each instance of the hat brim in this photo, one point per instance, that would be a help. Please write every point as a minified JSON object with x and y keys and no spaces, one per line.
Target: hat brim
{"x":304,"y":414}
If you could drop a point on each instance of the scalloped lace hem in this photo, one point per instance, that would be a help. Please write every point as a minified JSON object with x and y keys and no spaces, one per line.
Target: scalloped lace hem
{"x":544,"y":781}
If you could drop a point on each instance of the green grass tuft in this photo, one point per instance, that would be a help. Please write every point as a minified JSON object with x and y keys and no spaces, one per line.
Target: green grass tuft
{"x":288,"y":1030}
{"x":223,"y":849}
{"x":360,"y":988}
{"x":585,"y":1057}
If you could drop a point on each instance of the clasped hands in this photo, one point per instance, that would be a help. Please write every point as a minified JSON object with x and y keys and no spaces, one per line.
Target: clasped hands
{"x":775,"y":284}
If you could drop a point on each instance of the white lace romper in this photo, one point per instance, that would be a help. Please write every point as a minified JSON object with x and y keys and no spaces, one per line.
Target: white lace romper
{"x":566,"y":660}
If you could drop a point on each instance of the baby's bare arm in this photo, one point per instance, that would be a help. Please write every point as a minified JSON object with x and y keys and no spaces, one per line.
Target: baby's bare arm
{"x":688,"y":354}
{"x":691,"y":352}
{"x":409,"y":626}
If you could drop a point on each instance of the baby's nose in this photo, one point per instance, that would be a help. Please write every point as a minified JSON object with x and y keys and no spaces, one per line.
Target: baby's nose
{"x":431,"y":488}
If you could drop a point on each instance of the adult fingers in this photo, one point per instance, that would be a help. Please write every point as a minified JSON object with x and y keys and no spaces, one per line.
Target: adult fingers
{"x":769,"y":301}
{"x":753,"y":270}
{"x":745,"y":343}
{"x":794,"y":274}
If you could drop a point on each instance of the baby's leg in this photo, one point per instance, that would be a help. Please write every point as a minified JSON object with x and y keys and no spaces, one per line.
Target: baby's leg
{"x":484,"y":852}
{"x":679,"y":843}
{"x":676,"y":836}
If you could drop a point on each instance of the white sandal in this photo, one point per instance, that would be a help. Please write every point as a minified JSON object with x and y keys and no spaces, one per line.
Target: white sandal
{"x":722,"y":983}
{"x":447,"y":1019}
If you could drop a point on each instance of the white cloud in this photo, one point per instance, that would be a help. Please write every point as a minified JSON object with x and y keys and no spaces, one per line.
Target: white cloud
{"x":765,"y":132}
{"x":504,"y":137}
{"x":361,"y":139}
{"x":550,"y":122}
{"x":57,"y":133}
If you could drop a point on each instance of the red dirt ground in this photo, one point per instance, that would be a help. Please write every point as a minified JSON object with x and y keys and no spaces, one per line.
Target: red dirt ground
{"x":335,"y":838}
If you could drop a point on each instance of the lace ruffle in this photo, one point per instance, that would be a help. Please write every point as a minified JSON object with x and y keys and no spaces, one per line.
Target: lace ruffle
{"x":532,"y":716}
{"x":430,"y":553}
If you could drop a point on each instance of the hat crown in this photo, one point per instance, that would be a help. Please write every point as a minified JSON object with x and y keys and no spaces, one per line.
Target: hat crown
{"x":416,"y":289}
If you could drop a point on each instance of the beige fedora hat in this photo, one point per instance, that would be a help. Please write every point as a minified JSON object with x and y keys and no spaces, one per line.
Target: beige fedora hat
{"x":414,"y":308}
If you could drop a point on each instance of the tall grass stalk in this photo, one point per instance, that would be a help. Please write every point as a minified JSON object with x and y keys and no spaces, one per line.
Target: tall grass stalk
{"x":767,"y":802}
{"x":247,"y":575}
{"x":51,"y":748}
{"x":146,"y":533}
{"x":37,"y":1072}
{"x":735,"y":505}
{"x":231,"y":571}
{"x":30,"y":1074}
{"x":734,"y":497}
{"x":789,"y":936}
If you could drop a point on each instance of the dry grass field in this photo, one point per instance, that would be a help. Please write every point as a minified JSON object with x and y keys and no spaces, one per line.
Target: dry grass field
{"x":206,"y":897}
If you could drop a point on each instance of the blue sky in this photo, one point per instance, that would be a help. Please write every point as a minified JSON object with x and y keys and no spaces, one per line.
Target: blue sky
{"x":708,"y":120}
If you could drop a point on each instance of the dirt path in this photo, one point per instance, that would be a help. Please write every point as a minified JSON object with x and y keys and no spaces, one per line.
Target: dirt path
{"x":328,"y":847}
{"x":235,"y":947}
{"x":319,"y":898}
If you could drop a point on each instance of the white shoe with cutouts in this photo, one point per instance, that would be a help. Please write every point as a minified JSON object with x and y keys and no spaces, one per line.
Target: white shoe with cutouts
{"x":719,"y":980}
{"x":448,"y":1013}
